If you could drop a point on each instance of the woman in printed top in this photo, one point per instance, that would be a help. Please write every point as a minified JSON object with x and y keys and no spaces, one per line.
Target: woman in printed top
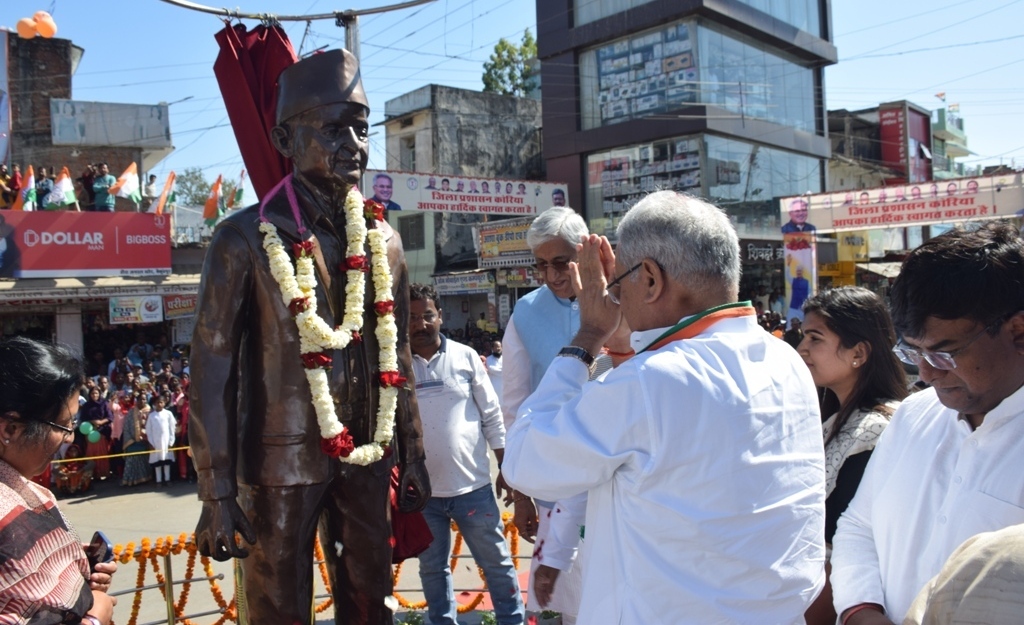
{"x":847,"y":345}
{"x":45,"y":576}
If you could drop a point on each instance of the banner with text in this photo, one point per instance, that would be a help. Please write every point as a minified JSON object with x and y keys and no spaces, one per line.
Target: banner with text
{"x":464,"y":283}
{"x":942,"y":201}
{"x":178,"y":306}
{"x":143,"y":309}
{"x":65,"y":244}
{"x":461,"y":194}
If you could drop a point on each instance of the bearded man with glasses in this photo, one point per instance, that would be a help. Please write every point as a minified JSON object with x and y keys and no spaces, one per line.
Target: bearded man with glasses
{"x":948,"y":466}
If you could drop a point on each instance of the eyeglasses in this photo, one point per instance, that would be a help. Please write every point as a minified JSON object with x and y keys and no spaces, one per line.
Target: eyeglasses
{"x":542,"y":266}
{"x":614,"y":283}
{"x":62,"y":428}
{"x":427,"y":318}
{"x":943,"y":361}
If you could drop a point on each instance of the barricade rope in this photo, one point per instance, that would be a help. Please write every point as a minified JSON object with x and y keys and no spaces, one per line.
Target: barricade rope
{"x":147,"y":555}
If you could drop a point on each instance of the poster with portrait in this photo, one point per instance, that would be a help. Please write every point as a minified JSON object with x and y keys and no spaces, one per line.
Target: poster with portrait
{"x":412,"y":191}
{"x":801,"y":271}
{"x":935,"y":202}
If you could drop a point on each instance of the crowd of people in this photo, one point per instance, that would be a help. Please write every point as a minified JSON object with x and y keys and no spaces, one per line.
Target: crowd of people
{"x":133,"y":410}
{"x":729,"y":478}
{"x":91,"y":188}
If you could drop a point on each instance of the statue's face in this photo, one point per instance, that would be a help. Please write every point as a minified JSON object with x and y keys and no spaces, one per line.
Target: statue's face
{"x":330,"y":145}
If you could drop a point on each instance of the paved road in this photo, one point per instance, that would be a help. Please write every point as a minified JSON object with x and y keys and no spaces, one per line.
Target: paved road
{"x":129,"y":514}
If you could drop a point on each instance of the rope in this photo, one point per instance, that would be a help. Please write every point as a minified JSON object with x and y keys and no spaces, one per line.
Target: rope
{"x":120,"y":455}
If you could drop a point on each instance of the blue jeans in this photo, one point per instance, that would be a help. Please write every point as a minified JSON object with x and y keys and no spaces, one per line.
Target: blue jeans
{"x":479,"y":520}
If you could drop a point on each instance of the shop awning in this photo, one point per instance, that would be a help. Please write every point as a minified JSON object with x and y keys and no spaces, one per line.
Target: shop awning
{"x":886,"y":270}
{"x":72,"y":289}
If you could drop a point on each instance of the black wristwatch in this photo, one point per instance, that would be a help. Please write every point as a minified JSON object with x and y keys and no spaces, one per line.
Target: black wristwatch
{"x":571,"y":351}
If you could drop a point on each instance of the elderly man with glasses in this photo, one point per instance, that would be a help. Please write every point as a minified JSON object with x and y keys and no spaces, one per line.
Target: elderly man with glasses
{"x":948,"y":467}
{"x":544,"y":321}
{"x":702,"y":454}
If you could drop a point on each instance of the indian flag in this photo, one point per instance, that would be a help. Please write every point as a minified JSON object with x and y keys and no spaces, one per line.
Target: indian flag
{"x":27,"y":195}
{"x":239,"y":195}
{"x":158,"y":206}
{"x":63,"y":193}
{"x":212,"y":210}
{"x":127,"y":186}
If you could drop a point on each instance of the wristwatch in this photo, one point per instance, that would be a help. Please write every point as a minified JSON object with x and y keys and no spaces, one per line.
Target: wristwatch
{"x":571,"y":351}
{"x":89,"y":619}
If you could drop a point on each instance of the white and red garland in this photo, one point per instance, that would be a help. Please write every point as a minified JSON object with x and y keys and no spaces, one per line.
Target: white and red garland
{"x":317,"y":339}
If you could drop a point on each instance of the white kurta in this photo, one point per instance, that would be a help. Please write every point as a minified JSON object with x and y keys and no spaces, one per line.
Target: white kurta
{"x":160,"y":434}
{"x":932,"y":483}
{"x":705,"y":470}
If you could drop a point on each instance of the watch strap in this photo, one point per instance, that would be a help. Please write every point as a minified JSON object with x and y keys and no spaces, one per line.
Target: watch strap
{"x":571,"y":351}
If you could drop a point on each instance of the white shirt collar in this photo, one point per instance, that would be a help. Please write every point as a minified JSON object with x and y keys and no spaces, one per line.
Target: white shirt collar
{"x":642,"y":338}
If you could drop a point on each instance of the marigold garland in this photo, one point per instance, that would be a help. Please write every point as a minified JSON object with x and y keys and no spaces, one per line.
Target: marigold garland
{"x":148,"y":553}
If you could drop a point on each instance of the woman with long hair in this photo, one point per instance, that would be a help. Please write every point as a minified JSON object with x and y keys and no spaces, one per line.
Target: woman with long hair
{"x":847,"y":345}
{"x":45,"y":576}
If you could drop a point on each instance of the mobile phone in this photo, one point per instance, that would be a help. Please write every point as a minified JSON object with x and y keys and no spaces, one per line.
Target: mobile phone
{"x":99,"y":550}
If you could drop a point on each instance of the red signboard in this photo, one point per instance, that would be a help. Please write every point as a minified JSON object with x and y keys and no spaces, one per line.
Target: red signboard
{"x":177,"y":306}
{"x":893,"y":135}
{"x":65,"y":244}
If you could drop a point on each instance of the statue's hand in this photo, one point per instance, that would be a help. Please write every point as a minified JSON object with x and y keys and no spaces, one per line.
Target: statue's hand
{"x":413,"y":486}
{"x":215,"y":532}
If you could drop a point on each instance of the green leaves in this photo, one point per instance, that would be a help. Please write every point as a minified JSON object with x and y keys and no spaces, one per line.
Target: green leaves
{"x":507,"y":72}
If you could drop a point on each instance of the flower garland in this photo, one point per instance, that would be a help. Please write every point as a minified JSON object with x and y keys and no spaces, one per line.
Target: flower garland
{"x":317,"y":339}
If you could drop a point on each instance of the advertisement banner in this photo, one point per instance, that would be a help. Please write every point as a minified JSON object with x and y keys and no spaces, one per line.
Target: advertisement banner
{"x":74,"y":122}
{"x":460,"y":194}
{"x":69,"y":244}
{"x":464,"y":283}
{"x":144,"y":309}
{"x":502,"y":242}
{"x":518,"y":278}
{"x":801,"y":273}
{"x":943,"y":201}
{"x":893,"y":136}
{"x":178,"y":306}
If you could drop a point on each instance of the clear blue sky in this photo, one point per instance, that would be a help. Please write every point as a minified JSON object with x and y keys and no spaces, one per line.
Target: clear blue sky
{"x":147,"y":51}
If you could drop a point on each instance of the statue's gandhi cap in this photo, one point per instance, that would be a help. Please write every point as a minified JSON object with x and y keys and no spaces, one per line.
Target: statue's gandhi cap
{"x":327,"y":78}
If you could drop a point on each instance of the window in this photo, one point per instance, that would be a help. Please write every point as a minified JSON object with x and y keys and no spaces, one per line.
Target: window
{"x":662,"y":70}
{"x":407,"y":153}
{"x":411,"y":229}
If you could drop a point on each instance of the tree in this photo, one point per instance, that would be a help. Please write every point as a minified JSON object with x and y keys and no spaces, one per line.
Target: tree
{"x":507,"y":72}
{"x":192,"y":187}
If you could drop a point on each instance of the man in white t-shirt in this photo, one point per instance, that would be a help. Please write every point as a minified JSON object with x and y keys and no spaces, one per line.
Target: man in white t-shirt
{"x":461,"y":418}
{"x":493,"y":363}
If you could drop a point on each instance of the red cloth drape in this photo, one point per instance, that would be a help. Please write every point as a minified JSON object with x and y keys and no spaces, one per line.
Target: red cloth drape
{"x":247,"y":69}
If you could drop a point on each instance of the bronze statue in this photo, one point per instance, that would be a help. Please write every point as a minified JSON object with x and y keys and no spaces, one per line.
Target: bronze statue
{"x":264,"y":470}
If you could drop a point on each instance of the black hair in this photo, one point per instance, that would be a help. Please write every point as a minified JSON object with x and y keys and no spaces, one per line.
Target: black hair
{"x":420,"y":292}
{"x":36,"y":381}
{"x":962,"y":274}
{"x":857,"y":315}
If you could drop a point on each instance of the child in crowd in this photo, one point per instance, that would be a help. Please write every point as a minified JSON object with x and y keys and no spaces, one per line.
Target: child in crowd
{"x":160,"y":426}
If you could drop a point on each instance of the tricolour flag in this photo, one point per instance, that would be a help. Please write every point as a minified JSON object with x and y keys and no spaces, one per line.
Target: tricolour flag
{"x":158,"y":206}
{"x":211,"y":210}
{"x":63,"y":193}
{"x":127,"y":185}
{"x":27,"y":195}
{"x":239,"y":195}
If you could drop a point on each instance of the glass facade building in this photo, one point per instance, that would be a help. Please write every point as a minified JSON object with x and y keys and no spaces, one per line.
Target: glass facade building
{"x":721,"y":99}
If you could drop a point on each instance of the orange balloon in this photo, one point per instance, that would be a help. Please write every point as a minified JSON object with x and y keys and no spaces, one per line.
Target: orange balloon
{"x":26,"y":28}
{"x":46,"y":26}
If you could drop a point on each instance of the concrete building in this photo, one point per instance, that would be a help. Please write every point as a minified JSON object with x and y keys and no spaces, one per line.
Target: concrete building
{"x":458,"y":132}
{"x":71,"y":267}
{"x":892,"y":144}
{"x":722,"y":99}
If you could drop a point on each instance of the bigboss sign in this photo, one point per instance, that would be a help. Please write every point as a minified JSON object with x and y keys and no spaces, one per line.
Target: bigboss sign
{"x":71,"y":244}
